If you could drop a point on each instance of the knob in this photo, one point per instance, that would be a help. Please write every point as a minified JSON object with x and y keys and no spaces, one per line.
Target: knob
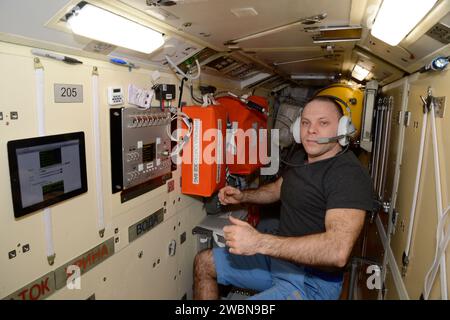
{"x":141,"y":121}
{"x":146,"y":119}
{"x":134,"y":122}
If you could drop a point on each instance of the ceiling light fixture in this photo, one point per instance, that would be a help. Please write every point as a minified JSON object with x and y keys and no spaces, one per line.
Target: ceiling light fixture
{"x":359,"y":72}
{"x":96,"y":23}
{"x":313,"y":77}
{"x":335,"y":40}
{"x":396,"y":18}
{"x":330,"y":34}
{"x":308,"y":20}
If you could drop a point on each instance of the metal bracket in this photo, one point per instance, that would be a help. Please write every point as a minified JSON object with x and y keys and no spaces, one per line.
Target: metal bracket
{"x":172,"y":248}
{"x":405,"y":262}
{"x":394,"y":220}
{"x":438,"y":103}
{"x":439,"y":106}
{"x":386,"y":206}
{"x":407,"y":119}
{"x":51,"y":259}
{"x":399,"y":117}
{"x":38,"y":64}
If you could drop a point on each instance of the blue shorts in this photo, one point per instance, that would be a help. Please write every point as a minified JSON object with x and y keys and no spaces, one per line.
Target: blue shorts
{"x":274,"y":279}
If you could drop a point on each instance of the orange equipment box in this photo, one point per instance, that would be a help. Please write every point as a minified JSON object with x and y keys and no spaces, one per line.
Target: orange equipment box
{"x":203,"y":159}
{"x":242,"y":152}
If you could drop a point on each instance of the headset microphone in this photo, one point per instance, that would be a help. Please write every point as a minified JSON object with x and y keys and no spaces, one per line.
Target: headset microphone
{"x":336,"y":138}
{"x":330,"y":139}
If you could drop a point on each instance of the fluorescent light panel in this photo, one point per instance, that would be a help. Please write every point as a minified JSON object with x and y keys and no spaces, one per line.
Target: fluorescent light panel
{"x":258,"y":77}
{"x":312,"y":77}
{"x":360,"y":73}
{"x":99,"y":24}
{"x":396,"y":18}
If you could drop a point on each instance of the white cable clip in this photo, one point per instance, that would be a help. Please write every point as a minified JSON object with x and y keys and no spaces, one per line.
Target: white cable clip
{"x":181,"y":72}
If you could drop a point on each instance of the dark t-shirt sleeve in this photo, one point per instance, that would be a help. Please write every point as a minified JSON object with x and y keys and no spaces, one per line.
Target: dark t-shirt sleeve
{"x":349,"y":186}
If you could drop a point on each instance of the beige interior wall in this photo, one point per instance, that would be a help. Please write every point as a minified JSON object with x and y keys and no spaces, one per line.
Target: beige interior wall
{"x":425,"y":223}
{"x":124,"y":275}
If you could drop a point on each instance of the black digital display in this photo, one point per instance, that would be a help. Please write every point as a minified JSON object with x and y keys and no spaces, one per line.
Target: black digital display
{"x":148,"y":152}
{"x":50,"y":157}
{"x":46,"y":170}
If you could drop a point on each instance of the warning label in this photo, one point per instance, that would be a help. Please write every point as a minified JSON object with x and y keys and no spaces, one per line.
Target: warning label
{"x":219,"y":149}
{"x":196,"y":151}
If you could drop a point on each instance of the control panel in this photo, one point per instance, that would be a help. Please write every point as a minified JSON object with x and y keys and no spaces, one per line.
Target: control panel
{"x":140,"y":146}
{"x":115,"y":96}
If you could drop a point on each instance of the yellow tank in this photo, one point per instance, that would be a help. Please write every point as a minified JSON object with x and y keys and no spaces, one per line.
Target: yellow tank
{"x":352,"y":96}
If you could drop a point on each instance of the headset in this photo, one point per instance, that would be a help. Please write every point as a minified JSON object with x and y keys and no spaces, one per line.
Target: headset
{"x":345,"y":127}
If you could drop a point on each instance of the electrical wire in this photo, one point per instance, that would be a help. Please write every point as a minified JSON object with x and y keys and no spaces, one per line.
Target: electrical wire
{"x":437,"y":179}
{"x":181,"y":72}
{"x":416,"y":184}
{"x":220,"y":94}
{"x":181,"y":91}
{"x":441,"y":246}
{"x":200,"y":101}
{"x":180,"y":142}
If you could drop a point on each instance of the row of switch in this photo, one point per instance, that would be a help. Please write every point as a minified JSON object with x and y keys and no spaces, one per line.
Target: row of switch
{"x":133,"y":156}
{"x":133,"y":175}
{"x":138,"y":121}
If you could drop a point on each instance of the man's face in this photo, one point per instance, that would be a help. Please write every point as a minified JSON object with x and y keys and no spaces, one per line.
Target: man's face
{"x":320,"y":119}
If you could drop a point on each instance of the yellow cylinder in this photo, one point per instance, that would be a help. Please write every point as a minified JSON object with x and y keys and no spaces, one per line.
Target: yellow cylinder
{"x":352,"y":96}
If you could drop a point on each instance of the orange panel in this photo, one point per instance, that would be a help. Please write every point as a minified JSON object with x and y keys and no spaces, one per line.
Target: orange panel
{"x":243,"y":158}
{"x":203,"y":168}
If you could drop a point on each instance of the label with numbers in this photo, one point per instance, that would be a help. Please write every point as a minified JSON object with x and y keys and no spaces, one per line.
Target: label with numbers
{"x":68,"y":93}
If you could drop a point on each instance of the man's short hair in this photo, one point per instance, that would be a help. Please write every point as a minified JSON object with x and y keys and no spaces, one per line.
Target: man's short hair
{"x":327,"y":99}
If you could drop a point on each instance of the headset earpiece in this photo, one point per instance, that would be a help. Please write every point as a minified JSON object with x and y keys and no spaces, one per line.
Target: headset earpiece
{"x":345,"y":128}
{"x":295,"y":130}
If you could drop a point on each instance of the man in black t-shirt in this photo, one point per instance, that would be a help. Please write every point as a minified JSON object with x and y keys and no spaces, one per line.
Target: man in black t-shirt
{"x":324,"y":197}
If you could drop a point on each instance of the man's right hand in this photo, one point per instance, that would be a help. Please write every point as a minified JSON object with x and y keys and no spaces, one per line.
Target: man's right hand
{"x":230,"y":195}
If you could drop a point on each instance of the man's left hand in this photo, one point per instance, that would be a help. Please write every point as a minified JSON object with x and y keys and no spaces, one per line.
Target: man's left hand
{"x":241,"y":237}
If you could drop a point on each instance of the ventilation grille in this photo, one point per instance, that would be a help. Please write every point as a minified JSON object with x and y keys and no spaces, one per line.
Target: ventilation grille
{"x":440,"y":32}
